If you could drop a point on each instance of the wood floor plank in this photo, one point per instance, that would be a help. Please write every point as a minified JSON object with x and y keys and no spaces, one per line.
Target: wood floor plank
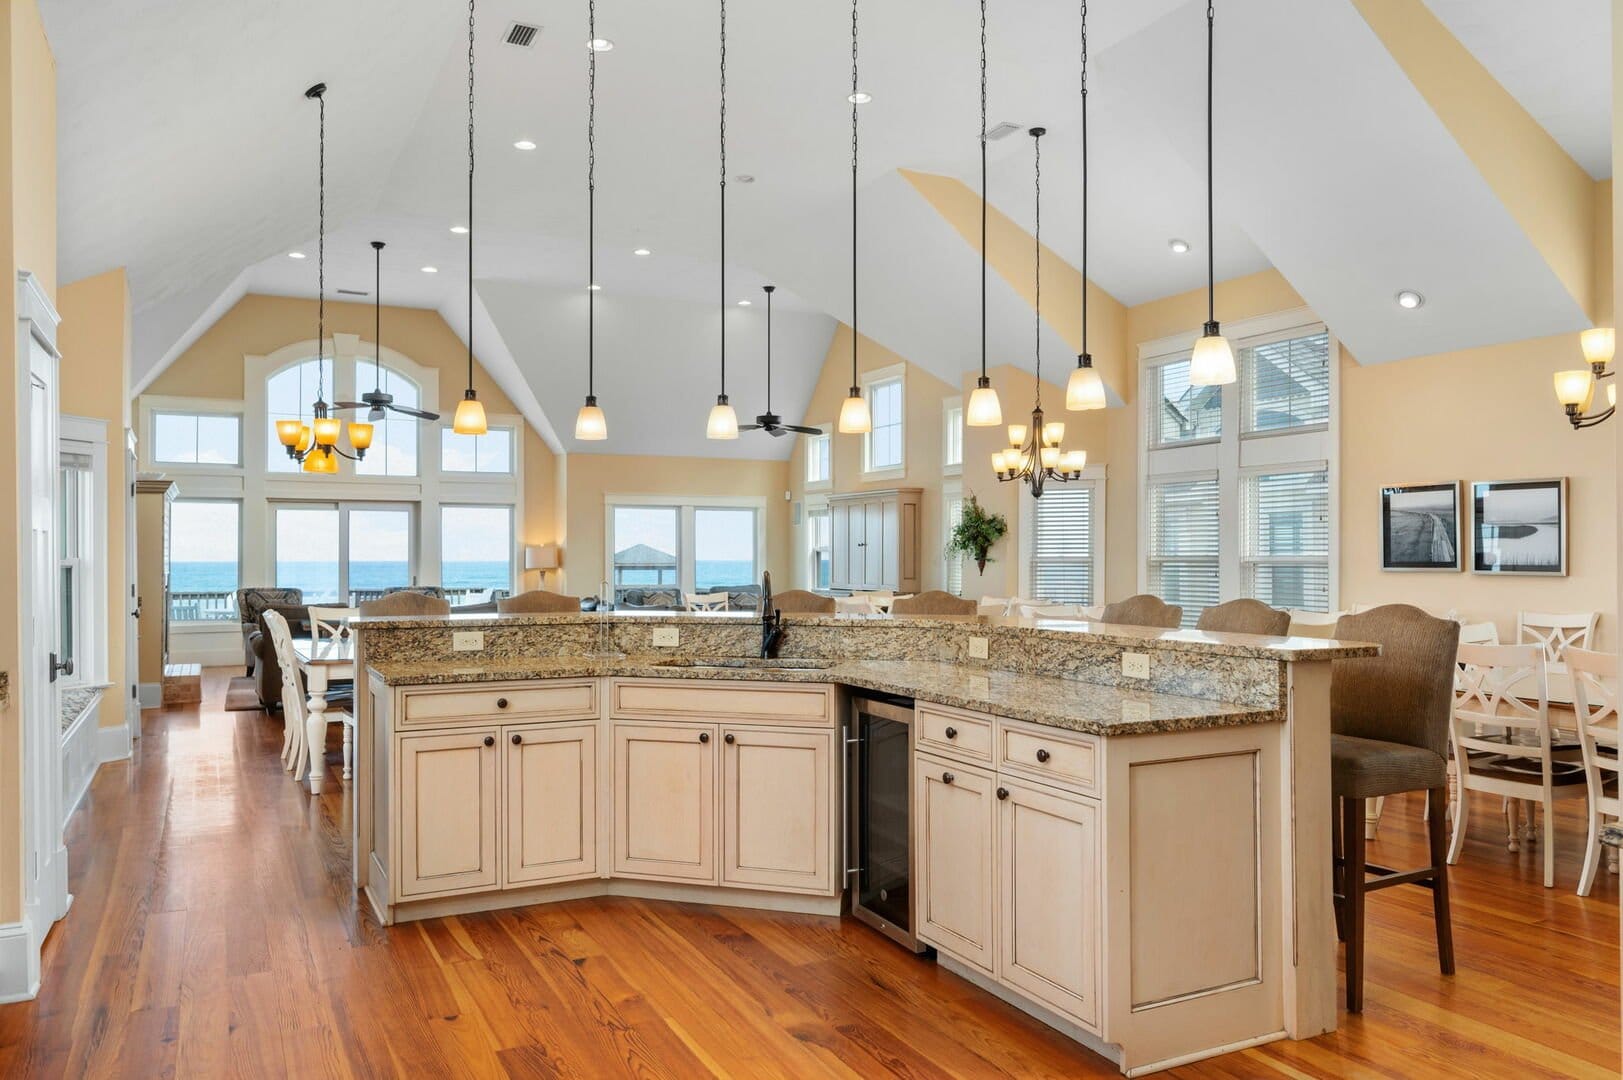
{"x":214,"y":932}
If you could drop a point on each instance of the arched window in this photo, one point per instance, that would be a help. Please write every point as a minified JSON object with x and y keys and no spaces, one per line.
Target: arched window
{"x":395,"y":437}
{"x":288,"y":396}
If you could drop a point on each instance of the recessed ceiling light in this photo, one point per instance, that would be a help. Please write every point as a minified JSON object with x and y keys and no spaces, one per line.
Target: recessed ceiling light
{"x":743,"y":303}
{"x":524,"y":144}
{"x":1410,"y":299}
{"x":431,"y":269}
{"x":460,"y":230}
{"x":295,"y":254}
{"x":595,"y":287}
{"x":744,"y":178}
{"x":1178,"y":246}
{"x":600,"y":44}
{"x":859,"y":98}
{"x":642,"y":251}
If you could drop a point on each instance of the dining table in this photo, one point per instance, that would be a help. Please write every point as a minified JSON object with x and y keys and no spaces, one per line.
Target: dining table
{"x":322,"y":662}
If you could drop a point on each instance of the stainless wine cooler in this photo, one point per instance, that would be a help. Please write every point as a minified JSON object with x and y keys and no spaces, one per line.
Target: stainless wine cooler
{"x":879,"y":821}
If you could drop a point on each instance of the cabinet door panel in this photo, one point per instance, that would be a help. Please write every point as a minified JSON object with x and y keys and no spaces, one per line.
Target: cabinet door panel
{"x":447,"y":813}
{"x":953,"y":808}
{"x":775,"y":814}
{"x":1048,"y":875}
{"x":890,"y":567}
{"x":551,"y":794}
{"x":665,"y":801}
{"x":839,"y":556}
{"x":876,"y":540}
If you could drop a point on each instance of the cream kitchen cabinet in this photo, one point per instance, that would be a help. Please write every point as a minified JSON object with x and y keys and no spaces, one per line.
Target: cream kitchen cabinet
{"x":550,"y":789}
{"x":448,"y":823}
{"x":876,"y":540}
{"x":776,"y":819}
{"x":665,"y":801}
{"x":954,"y":822}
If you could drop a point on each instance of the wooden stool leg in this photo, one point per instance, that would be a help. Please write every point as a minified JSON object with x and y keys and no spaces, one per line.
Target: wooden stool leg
{"x":1437,"y":799}
{"x":1338,"y":886}
{"x":1352,"y":837}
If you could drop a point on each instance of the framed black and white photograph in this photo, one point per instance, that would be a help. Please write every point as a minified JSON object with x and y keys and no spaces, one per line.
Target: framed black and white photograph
{"x":1519,"y":527}
{"x":1420,"y":526}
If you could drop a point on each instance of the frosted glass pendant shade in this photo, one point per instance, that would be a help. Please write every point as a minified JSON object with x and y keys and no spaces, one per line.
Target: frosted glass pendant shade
{"x":1212,"y":362}
{"x":854,"y":416}
{"x":470,"y":417}
{"x":723,"y":423}
{"x":984,"y":409}
{"x":590,"y":423}
{"x":1598,"y":344}
{"x":360,"y":436}
{"x":1575,"y":387}
{"x":289,"y":432}
{"x":1086,"y":390}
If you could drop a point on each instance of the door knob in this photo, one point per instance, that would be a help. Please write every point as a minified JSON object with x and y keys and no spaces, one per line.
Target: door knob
{"x":729,"y":737}
{"x":947,"y":778}
{"x":952,"y":733}
{"x":704,"y":736}
{"x":490,"y":740}
{"x":518,"y":740}
{"x":1042,"y":755}
{"x":1003,"y":793}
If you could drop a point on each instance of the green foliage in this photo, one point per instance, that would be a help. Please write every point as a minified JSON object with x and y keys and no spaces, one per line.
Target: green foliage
{"x":976,"y":532}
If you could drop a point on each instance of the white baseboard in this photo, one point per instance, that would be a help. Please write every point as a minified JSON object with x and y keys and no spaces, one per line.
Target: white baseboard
{"x":113,"y":744}
{"x":81,"y":755}
{"x":19,"y":963}
{"x":150,"y":695}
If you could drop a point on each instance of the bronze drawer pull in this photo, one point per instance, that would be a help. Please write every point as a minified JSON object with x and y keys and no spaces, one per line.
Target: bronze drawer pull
{"x":490,"y":740}
{"x":947,"y":778}
{"x":730,"y":737}
{"x":704,"y":736}
{"x":518,"y":740}
{"x":1003,"y":793}
{"x":951,"y":733}
{"x":1042,"y":755}
{"x":501,"y":703}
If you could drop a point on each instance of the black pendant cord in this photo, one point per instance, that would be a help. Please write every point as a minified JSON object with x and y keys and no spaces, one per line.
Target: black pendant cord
{"x":983,"y":379}
{"x":1037,"y":247}
{"x":469,"y":392}
{"x":591,"y":203}
{"x":722,"y":398}
{"x":854,"y":106}
{"x":1084,"y":359}
{"x":321,"y":250}
{"x":769,"y":290}
{"x":1211,"y":259}
{"x":377,"y":315}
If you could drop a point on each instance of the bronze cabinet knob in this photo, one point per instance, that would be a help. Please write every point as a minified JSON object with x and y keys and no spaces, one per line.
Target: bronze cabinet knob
{"x":518,"y":740}
{"x":952,"y":733}
{"x":490,"y":740}
{"x":730,"y":737}
{"x":1003,"y":793}
{"x":704,"y":736}
{"x":1042,"y":755}
{"x":501,"y":703}
{"x":947,"y":778}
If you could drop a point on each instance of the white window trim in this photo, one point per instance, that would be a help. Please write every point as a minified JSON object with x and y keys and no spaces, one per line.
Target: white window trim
{"x":221,"y":494}
{"x":492,"y":423}
{"x":807,"y":579}
{"x":827,"y":483}
{"x":685,"y":505}
{"x":952,"y":468}
{"x":515,"y":550}
{"x":868,"y":380}
{"x":154,"y":407}
{"x":1230,"y":454}
{"x":951,"y":490}
{"x":1092,"y":476}
{"x":1316,"y":465}
{"x":89,"y":436}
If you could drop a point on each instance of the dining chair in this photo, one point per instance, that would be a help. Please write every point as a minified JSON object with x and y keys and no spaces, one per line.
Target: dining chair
{"x":538,"y":602}
{"x":1058,"y":611}
{"x":879,"y":600}
{"x":1143,"y":610}
{"x":711,"y":601}
{"x":1313,"y":624}
{"x":1245,"y":616}
{"x":1595,"y":693}
{"x":857,"y":604}
{"x":992,"y":606}
{"x":1502,"y":742}
{"x":1479,"y":633}
{"x":1389,"y":717}
{"x":296,"y":750}
{"x":405,"y":603}
{"x":330,"y":623}
{"x":932,"y":602}
{"x":802,"y":602}
{"x":1555,"y":634}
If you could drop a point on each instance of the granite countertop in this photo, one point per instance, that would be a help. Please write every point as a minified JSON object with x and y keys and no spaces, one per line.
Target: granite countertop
{"x":1041,"y":699}
{"x":1195,"y":641}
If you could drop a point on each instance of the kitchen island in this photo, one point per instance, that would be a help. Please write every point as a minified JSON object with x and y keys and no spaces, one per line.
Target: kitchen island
{"x":1141,"y":861}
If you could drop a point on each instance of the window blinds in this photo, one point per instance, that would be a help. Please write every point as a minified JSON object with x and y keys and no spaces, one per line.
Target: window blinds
{"x":1286,"y":384}
{"x":1062,"y":549}
{"x":955,"y":561}
{"x":1184,"y":543}
{"x":1285,"y":543}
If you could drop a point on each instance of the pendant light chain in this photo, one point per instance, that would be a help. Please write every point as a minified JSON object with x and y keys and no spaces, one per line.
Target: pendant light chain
{"x":854,"y":106}
{"x":1084,"y":178}
{"x":1211,"y":257}
{"x":591,"y":199}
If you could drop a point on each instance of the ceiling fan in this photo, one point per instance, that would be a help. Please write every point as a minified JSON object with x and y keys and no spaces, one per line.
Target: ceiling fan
{"x":770,"y":422}
{"x":375,"y":401}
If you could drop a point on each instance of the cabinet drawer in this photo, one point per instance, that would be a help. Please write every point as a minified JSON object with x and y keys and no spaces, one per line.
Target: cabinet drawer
{"x":574,"y":699}
{"x":1063,"y":758}
{"x":957,"y":734}
{"x":671,"y":699}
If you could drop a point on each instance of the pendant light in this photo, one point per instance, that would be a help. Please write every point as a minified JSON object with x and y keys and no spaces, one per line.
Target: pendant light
{"x":1212,"y":362}
{"x":1035,"y":454}
{"x":855,"y":418}
{"x":723,"y":422}
{"x":470,"y":413}
{"x":590,"y":423}
{"x":1085,"y":390}
{"x":984,"y":409}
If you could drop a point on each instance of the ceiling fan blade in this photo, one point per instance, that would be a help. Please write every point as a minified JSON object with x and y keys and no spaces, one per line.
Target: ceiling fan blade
{"x":803,"y":430}
{"x":349,"y":405}
{"x":749,"y":427}
{"x":418,"y":413}
{"x":777,"y":431}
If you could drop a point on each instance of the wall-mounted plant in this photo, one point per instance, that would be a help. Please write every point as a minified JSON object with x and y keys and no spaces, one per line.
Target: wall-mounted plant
{"x":976,"y":532}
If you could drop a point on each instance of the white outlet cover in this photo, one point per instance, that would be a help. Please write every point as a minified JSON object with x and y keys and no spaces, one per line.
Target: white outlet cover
{"x":1135,"y":665}
{"x":667,"y":637}
{"x":978,"y":648}
{"x":467,"y":640}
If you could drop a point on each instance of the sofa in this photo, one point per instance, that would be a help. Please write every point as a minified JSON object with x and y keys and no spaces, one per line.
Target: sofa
{"x":251,"y":603}
{"x":670,"y":598}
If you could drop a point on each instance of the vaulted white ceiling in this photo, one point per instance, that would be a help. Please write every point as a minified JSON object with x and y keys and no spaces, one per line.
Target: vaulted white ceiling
{"x":1330,"y":167}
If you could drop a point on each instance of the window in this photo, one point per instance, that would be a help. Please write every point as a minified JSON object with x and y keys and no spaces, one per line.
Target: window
{"x":394,"y":438}
{"x":723,"y":547}
{"x":205,"y":558}
{"x":953,"y":579}
{"x":882,"y":447}
{"x":1063,"y":547}
{"x":1286,"y":538}
{"x":343,"y":553}
{"x":76,"y":547}
{"x":307,"y":552}
{"x":1182,"y":413}
{"x":491,"y":452}
{"x":476,"y":552}
{"x":377,"y":551}
{"x":1286,"y":384}
{"x":645,"y":547}
{"x":196,"y":439}
{"x":1184,"y":547}
{"x":820,"y":527}
{"x":819,"y":463}
{"x":952,"y":436}
{"x":288,"y":395}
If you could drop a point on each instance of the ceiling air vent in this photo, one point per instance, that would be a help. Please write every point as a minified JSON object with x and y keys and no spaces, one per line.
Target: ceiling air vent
{"x":1001,"y":131}
{"x":521,"y":35}
{"x":353,"y":292}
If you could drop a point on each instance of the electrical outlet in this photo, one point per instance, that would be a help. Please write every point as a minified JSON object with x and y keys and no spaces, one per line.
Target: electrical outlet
{"x":978,"y":648}
{"x":1135,"y":665}
{"x":467,"y":640}
{"x":667,"y":637}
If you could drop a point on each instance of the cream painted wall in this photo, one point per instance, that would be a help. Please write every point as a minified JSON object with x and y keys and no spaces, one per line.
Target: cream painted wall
{"x":95,"y":343}
{"x":922,"y":454}
{"x":28,"y":233}
{"x":589,"y":478}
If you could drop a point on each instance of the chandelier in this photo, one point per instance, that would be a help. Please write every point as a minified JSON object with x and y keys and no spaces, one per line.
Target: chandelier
{"x":1575,"y":389}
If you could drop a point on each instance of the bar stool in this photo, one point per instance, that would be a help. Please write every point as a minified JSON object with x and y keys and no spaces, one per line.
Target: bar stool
{"x":1389,"y":718}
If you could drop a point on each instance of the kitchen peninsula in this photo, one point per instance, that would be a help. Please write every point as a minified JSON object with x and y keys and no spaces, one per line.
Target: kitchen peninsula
{"x":1141,"y":861}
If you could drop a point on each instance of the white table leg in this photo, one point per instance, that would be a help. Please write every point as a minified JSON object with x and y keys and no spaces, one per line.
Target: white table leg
{"x":316,"y":727}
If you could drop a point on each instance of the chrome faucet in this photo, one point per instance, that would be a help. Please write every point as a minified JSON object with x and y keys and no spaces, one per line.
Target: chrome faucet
{"x":771,"y":621}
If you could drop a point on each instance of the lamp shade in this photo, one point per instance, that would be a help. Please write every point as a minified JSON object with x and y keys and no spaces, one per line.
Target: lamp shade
{"x":1053,"y":433}
{"x":305,"y":440}
{"x":1575,"y":387}
{"x":723,"y":422}
{"x":1598,"y":344}
{"x":591,"y":425}
{"x":984,"y":409}
{"x":541,"y":557}
{"x":998,"y":463}
{"x":319,"y":461}
{"x":1017,"y":435}
{"x":326,"y":429}
{"x":470,"y":417}
{"x":854,"y":416}
{"x":1086,"y":390}
{"x":1074,"y":460}
{"x":1212,"y":362}
{"x":360,"y":436}
{"x":289,"y":431}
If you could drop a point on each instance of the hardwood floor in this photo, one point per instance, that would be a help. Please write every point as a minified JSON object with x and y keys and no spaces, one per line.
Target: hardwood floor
{"x":214,"y":933}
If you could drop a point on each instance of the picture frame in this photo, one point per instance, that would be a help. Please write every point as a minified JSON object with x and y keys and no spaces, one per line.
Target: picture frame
{"x":1519,"y":527}
{"x":1420,"y":527}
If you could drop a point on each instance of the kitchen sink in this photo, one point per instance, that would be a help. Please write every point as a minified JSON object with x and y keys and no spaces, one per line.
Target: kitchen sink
{"x":750,"y":663}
